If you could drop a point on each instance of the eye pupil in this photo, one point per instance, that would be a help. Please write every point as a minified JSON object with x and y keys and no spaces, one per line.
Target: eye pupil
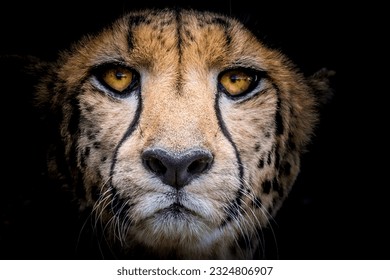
{"x":120,"y":75}
{"x":234,"y":79}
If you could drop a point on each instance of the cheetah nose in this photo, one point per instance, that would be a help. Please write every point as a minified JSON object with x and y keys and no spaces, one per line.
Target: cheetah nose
{"x":177,"y":169}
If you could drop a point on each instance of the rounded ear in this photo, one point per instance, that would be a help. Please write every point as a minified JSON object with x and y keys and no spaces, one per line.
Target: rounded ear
{"x":320,"y":83}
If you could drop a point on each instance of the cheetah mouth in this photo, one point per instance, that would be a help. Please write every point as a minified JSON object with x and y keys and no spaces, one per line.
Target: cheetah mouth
{"x":178,"y":211}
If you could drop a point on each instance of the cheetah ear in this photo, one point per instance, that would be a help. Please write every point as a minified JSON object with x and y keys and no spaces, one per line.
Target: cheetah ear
{"x":320,"y":83}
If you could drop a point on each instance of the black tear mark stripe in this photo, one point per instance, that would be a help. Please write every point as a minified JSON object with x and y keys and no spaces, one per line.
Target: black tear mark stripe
{"x":233,"y":209}
{"x":273,"y":185}
{"x":267,"y":185}
{"x":127,"y":134}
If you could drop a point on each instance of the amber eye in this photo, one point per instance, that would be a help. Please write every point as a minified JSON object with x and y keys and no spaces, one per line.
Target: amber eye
{"x":117,"y":78}
{"x":238,"y":81}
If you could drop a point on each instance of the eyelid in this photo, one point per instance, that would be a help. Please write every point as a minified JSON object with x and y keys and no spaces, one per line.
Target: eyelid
{"x":100,"y":71}
{"x":254,"y":74}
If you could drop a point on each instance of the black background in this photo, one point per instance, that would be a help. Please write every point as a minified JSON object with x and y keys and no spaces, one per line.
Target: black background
{"x":338,"y":208}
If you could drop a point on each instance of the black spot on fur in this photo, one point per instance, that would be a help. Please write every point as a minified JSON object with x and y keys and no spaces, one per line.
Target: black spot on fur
{"x":257,"y":147}
{"x":103,"y":159}
{"x":267,"y":185}
{"x":269,"y":158}
{"x":89,"y":108}
{"x":285,"y":169}
{"x":277,"y":188}
{"x":260,"y":164}
{"x":87,"y":152}
{"x":290,"y":143}
{"x":96,"y":145}
{"x":91,"y":135}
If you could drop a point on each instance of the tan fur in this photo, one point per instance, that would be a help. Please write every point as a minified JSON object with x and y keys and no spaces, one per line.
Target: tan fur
{"x":178,"y":57}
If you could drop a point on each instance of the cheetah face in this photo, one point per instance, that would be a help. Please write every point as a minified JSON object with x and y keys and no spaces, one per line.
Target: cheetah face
{"x":181,"y":131}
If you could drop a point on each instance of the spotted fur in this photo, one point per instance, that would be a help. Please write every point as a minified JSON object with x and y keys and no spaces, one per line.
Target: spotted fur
{"x":108,"y":148}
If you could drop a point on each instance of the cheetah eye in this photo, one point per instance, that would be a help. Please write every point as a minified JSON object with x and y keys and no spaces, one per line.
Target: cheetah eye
{"x":237,"y":82}
{"x":117,"y":78}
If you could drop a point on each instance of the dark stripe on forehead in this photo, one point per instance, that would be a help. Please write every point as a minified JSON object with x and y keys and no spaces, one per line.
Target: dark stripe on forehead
{"x":225,"y":25}
{"x":234,"y":206}
{"x":179,"y":48}
{"x":222,"y":22}
{"x":134,"y":21}
{"x":178,"y":34}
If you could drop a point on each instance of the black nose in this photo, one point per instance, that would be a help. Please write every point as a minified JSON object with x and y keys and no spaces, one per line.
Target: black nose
{"x":177,"y":169}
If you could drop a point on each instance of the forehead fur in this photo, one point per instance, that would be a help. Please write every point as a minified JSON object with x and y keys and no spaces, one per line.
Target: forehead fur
{"x":202,"y":39}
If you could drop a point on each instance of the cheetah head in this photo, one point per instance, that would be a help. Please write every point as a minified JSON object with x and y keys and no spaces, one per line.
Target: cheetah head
{"x":179,"y":132}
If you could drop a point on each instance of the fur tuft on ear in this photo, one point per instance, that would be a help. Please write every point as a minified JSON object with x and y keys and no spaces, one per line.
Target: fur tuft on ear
{"x":320,"y":83}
